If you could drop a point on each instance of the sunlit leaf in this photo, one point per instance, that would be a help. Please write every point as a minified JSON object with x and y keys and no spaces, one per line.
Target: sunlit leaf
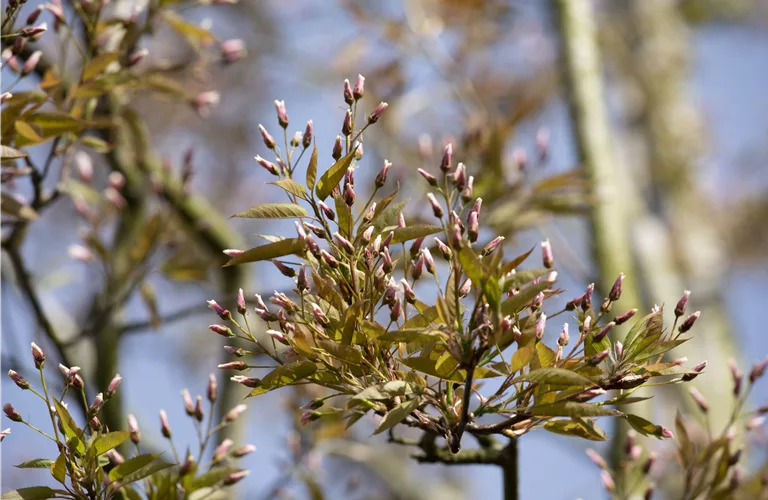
{"x":98,"y":64}
{"x":25,"y":130}
{"x":132,"y":465}
{"x":37,"y":463}
{"x":209,"y":478}
{"x":341,"y":351}
{"x":429,"y":366}
{"x":312,"y":169}
{"x":59,"y":468}
{"x":106,"y":442}
{"x":397,"y":415}
{"x":290,"y":186}
{"x":385,"y":391}
{"x":32,"y":493}
{"x":555,"y":376}
{"x":412,"y":232}
{"x":572,"y":409}
{"x":644,"y":427}
{"x":70,"y":427}
{"x":585,"y":429}
{"x":331,"y":178}
{"x":273,"y":211}
{"x":285,"y":375}
{"x":270,"y":251}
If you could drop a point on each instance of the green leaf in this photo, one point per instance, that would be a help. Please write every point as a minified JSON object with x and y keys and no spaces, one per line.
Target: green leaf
{"x":145,"y":471}
{"x":284,"y":375}
{"x":37,"y":463}
{"x":397,"y":415}
{"x":32,"y":493}
{"x":385,"y":391}
{"x":106,"y":442}
{"x":519,"y":279}
{"x":290,"y":186}
{"x":579,"y":428}
{"x":98,"y":64}
{"x":472,"y":265}
{"x":572,"y":409}
{"x":132,"y":465}
{"x":12,"y":206}
{"x":555,"y":376}
{"x":514,"y":263}
{"x":284,"y":210}
{"x":70,"y":427}
{"x":312,"y":169}
{"x":446,"y":370}
{"x":333,"y":175}
{"x":546,"y":355}
{"x":412,"y":232}
{"x":517,"y":303}
{"x":56,"y":122}
{"x":9,"y":154}
{"x":25,"y":130}
{"x":415,"y":335}
{"x":343,"y":352}
{"x":638,"y":331}
{"x":209,"y":478}
{"x":270,"y":251}
{"x":193,"y":33}
{"x":59,"y":469}
{"x":426,"y":317}
{"x":93,"y":142}
{"x":645,"y":427}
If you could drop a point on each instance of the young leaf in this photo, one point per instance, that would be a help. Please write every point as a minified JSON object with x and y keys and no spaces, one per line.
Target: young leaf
{"x":340,"y":351}
{"x":70,"y":427}
{"x":416,"y":335}
{"x":25,"y":130}
{"x":412,"y":232}
{"x":397,"y":415}
{"x":517,"y":303}
{"x":333,"y":175}
{"x":106,"y":442}
{"x":270,"y":251}
{"x":519,"y":279}
{"x":644,"y":427}
{"x":429,"y":366}
{"x":59,"y":468}
{"x":586,"y":429}
{"x":555,"y":376}
{"x":145,"y":471}
{"x":285,"y":375}
{"x":98,"y":64}
{"x":312,"y":169}
{"x":32,"y":493}
{"x":37,"y":463}
{"x":132,"y":465}
{"x":273,"y":211}
{"x":386,"y":391}
{"x":472,"y":266}
{"x":512,"y":264}
{"x":8,"y":154}
{"x":292,"y":187}
{"x":572,"y":409}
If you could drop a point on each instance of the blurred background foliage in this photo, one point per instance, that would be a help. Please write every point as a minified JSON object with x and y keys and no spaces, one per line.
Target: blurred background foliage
{"x":685,"y":111}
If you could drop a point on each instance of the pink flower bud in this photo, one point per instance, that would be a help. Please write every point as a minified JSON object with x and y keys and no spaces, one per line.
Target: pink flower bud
{"x":418,"y":268}
{"x":344,"y":243}
{"x":615,"y":293}
{"x":346,"y":127}
{"x":623,"y":318}
{"x":243,"y":450}
{"x":235,"y":365}
{"x":187,"y":465}
{"x":429,"y":262}
{"x":666,"y":433}
{"x":232,"y":50}
{"x":282,"y":114}
{"x":381,"y":178}
{"x":31,"y":63}
{"x":410,"y":296}
{"x":115,"y":457}
{"x":755,"y":422}
{"x":445,"y":162}
{"x":388,"y":240}
{"x":396,"y":310}
{"x":330,"y":214}
{"x":596,"y":458}
{"x":98,"y":402}
{"x":57,"y":13}
{"x":222,"y":450}
{"x":460,"y":176}
{"x":267,"y":165}
{"x":466,"y":194}
{"x":564,"y":337}
{"x":235,"y":412}
{"x":113,"y":385}
{"x":269,"y":141}
{"x":199,"y":409}
{"x":376,"y":113}
{"x":401,"y":221}
{"x":436,"y":208}
{"x":116,"y":180}
{"x":278,"y":336}
{"x":542,"y":143}
{"x":11,"y":413}
{"x":607,"y":480}
{"x":649,"y":463}
{"x":189,"y":405}
{"x":492,"y":245}
{"x":221,"y":330}
{"x":540,"y":325}
{"x":598,"y":358}
{"x":689,"y":321}
{"x":4,"y":97}
{"x":337,"y":148}
{"x":32,"y":18}
{"x":619,"y":349}
{"x":223,"y":313}
{"x":205,"y":101}
{"x":699,"y":399}
{"x":444,"y":249}
{"x":318,"y":314}
{"x":758,"y":369}
{"x":473,"y":226}
{"x":233,"y":252}
{"x":546,"y":254}
{"x":165,"y":427}
{"x":604,"y":331}
{"x":38,"y":355}
{"x":133,"y":428}
{"x":18,"y":379}
{"x":348,"y":96}
{"x":4,"y":433}
{"x":246,"y":381}
{"x":367,"y":234}
{"x":431,"y":179}
{"x":136,"y":57}
{"x":519,"y":158}
{"x":235,"y":477}
{"x":506,"y":323}
{"x":359,"y":89}
{"x":35,"y":32}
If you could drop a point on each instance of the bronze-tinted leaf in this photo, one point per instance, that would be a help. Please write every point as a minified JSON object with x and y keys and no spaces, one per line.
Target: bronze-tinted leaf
{"x":572,"y":409}
{"x":270,"y":251}
{"x":273,"y":211}
{"x":98,"y":64}
{"x":397,"y":415}
{"x":555,"y":376}
{"x":412,"y":232}
{"x":290,"y":186}
{"x":343,"y":352}
{"x":331,"y":178}
{"x":284,"y":375}
{"x":312,"y":169}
